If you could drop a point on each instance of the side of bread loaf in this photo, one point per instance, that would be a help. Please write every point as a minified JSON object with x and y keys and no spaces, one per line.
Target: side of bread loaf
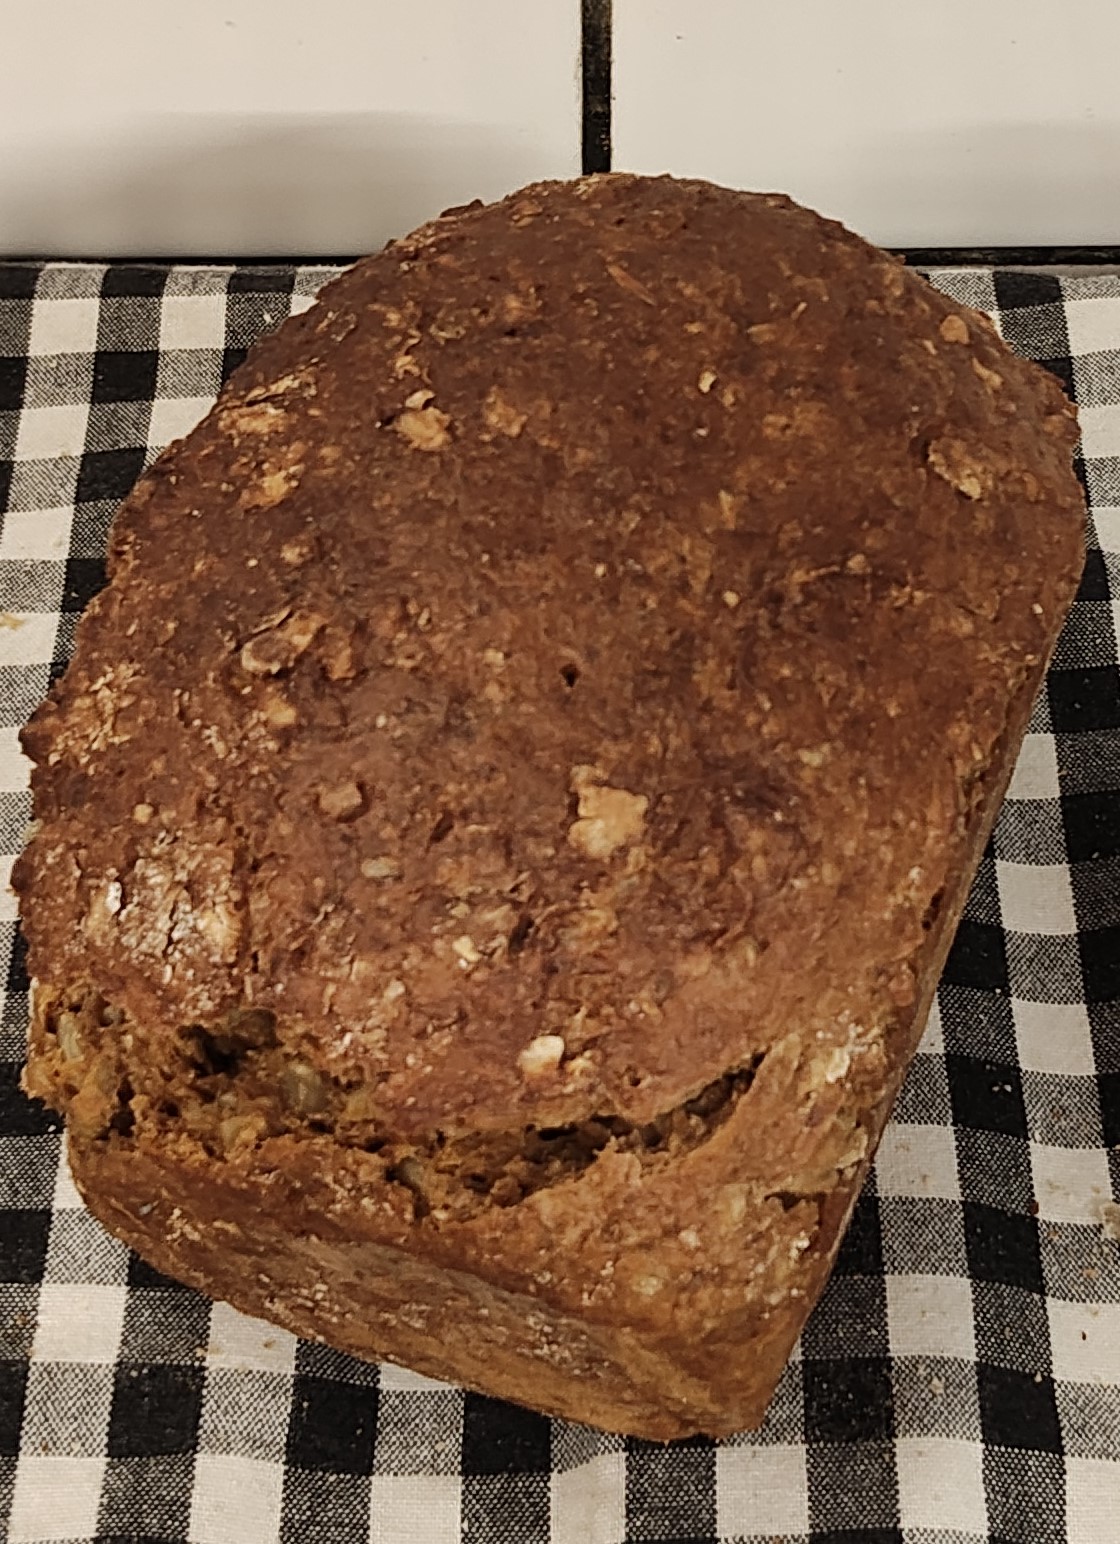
{"x":506,"y":815}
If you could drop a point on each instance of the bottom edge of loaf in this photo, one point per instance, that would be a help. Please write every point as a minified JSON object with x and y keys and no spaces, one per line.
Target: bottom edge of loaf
{"x":379,"y":1302}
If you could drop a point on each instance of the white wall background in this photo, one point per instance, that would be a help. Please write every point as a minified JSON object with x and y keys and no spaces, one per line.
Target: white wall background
{"x":919,"y":122}
{"x":268,"y":127}
{"x":272,"y":127}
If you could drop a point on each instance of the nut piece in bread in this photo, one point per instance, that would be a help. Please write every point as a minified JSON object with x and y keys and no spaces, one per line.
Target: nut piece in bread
{"x":507,"y":813}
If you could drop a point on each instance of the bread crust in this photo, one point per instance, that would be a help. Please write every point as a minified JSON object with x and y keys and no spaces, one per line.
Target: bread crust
{"x":506,"y":815}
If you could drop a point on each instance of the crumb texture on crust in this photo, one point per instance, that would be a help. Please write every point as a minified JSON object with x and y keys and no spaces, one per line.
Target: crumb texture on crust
{"x":415,"y":713}
{"x":534,"y":742}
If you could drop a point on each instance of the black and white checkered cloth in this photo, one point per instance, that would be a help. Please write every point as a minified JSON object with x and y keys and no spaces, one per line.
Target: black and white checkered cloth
{"x":960,"y":1381}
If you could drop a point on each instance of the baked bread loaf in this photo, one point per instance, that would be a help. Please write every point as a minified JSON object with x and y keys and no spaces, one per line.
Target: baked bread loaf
{"x":507,"y":813}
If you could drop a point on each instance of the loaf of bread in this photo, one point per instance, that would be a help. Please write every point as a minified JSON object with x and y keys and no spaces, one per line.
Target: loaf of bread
{"x":507,"y":813}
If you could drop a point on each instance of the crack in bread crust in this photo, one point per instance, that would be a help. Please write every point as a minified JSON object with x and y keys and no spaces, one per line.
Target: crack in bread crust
{"x":233,"y":1086}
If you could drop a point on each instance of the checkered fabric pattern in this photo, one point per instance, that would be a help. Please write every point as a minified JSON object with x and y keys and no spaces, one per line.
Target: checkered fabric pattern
{"x":960,"y":1381}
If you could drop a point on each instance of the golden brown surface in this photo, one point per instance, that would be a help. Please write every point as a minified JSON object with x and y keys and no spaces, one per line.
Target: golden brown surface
{"x":506,"y":815}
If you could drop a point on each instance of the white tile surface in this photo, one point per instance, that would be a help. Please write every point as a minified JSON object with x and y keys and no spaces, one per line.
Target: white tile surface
{"x":1091,"y":326}
{"x":15,"y":768}
{"x":174,"y":417}
{"x":932,"y":1042}
{"x":761,"y":1491}
{"x":47,"y":433}
{"x":1085,"y":1341}
{"x":930,"y":1316}
{"x":9,"y":906}
{"x":917,"y":1160}
{"x":269,"y":126}
{"x":1092,"y":1499}
{"x":67,"y":326}
{"x":36,"y":534}
{"x":1054,"y":1037}
{"x":55,"y":1498}
{"x":1100,"y":425}
{"x":587,"y":1504}
{"x":920,"y":125}
{"x":401,"y":1512}
{"x":78,"y":1322}
{"x":1107,"y":521}
{"x":1036,"y":771}
{"x":28,"y":637}
{"x":1036,"y":898}
{"x":1070,"y":1183}
{"x":231,"y":1488}
{"x":248,"y":1345}
{"x":404,"y":1380}
{"x":192,"y":321}
{"x":940,"y":1484}
{"x":66,"y":1195}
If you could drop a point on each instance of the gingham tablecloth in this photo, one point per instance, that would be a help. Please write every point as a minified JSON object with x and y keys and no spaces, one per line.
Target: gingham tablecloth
{"x":960,"y":1381}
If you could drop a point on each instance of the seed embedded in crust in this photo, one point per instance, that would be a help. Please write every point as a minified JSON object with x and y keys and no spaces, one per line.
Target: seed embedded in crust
{"x":542,"y":1056}
{"x":954,"y":329}
{"x":609,"y":818}
{"x":302,"y":1089}
{"x":345,"y":801}
{"x":424,"y":428}
{"x":380,"y":868}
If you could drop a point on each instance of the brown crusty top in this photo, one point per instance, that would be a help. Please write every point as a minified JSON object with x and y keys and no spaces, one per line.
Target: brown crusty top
{"x":560,"y":661}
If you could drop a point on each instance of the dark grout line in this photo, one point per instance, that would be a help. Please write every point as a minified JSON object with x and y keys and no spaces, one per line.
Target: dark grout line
{"x":595,"y":80}
{"x":916,"y":257}
{"x":185,"y":260}
{"x":1009,"y":257}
